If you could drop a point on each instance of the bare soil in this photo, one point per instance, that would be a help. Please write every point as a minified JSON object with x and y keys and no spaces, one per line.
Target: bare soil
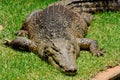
{"x":109,"y":74}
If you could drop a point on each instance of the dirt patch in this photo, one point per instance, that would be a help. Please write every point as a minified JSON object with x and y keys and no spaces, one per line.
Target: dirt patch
{"x":1,"y":27}
{"x":109,"y":74}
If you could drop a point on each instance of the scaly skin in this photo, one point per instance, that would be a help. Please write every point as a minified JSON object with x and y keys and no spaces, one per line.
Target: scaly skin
{"x":57,"y":35}
{"x":92,"y":6}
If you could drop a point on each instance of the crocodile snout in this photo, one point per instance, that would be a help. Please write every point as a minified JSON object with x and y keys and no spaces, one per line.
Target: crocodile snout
{"x":72,"y":70}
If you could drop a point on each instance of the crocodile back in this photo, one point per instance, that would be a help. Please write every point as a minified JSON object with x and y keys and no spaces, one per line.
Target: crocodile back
{"x":57,"y":21}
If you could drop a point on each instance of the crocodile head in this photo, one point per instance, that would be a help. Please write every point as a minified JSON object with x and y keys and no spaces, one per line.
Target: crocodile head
{"x":62,"y":55}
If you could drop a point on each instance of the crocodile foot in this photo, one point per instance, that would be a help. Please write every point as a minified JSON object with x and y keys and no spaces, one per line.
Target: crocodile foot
{"x":22,"y":33}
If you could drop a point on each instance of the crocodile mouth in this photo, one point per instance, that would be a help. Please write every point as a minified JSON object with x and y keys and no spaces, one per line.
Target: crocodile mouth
{"x":69,"y":72}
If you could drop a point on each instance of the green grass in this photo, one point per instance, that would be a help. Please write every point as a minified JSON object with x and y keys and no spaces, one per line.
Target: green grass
{"x":20,"y":65}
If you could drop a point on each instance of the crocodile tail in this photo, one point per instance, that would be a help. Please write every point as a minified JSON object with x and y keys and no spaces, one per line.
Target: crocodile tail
{"x":93,"y":6}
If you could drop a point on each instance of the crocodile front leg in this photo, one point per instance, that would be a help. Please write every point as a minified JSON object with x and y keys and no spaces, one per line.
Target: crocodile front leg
{"x":91,"y":45}
{"x":22,"y":43}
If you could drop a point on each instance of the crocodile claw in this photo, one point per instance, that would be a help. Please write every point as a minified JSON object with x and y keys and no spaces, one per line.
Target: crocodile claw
{"x":7,"y":42}
{"x":21,"y":33}
{"x":99,"y":52}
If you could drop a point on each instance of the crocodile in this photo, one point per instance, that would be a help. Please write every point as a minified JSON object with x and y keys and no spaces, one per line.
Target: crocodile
{"x":56,"y":34}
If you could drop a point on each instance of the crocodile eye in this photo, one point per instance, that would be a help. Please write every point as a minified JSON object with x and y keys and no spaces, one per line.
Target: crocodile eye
{"x":72,"y":49}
